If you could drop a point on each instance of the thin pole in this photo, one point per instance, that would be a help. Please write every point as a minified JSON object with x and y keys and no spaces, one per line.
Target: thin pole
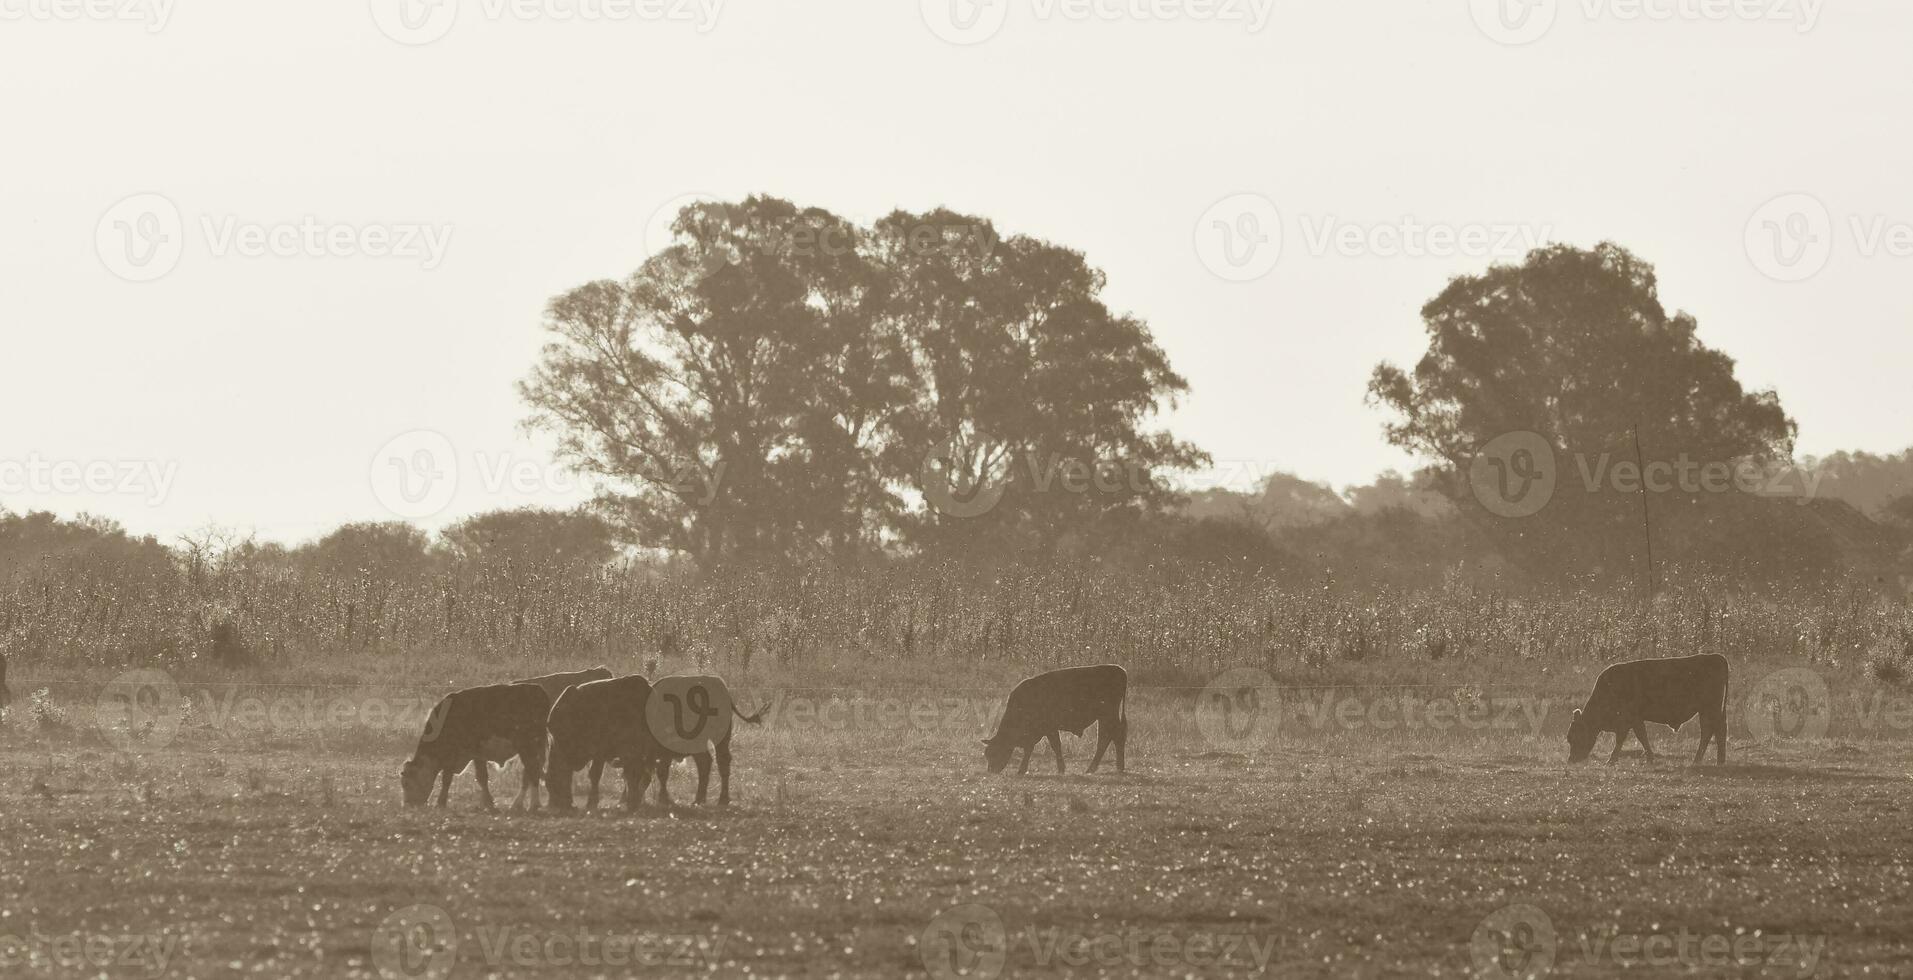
{"x":1647,"y":529}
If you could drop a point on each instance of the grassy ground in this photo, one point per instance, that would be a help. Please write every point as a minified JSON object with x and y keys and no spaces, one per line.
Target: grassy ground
{"x":1343,"y":841}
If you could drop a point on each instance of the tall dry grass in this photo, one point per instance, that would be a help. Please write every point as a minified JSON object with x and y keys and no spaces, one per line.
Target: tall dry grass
{"x":1168,"y":625}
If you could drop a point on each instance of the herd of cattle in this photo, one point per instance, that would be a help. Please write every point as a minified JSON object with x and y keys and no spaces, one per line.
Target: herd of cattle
{"x":560,"y":724}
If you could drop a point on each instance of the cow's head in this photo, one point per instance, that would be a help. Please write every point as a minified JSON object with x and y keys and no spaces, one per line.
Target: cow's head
{"x":996,"y":753}
{"x":416,"y":779}
{"x":1581,"y":736}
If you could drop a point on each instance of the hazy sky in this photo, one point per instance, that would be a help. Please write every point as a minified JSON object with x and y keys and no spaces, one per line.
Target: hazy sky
{"x":524,"y":148}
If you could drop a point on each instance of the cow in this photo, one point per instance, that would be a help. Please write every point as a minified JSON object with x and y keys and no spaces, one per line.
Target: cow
{"x":479,"y":726}
{"x":556,"y":685}
{"x":595,"y":723}
{"x":668,"y":711}
{"x":1067,"y":700}
{"x":6,"y":696}
{"x":1666,"y":692}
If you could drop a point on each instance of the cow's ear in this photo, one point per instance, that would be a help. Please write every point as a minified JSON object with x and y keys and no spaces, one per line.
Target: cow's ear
{"x":988,"y":742}
{"x":1577,"y":712}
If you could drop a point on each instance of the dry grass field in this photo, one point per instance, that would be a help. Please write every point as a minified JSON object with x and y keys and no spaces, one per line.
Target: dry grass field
{"x":1368,"y":829}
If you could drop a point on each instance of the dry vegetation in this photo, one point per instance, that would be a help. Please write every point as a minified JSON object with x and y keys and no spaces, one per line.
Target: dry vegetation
{"x":263,"y":834}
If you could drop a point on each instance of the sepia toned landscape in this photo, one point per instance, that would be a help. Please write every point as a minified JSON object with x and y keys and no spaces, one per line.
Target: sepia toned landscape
{"x":960,"y":489}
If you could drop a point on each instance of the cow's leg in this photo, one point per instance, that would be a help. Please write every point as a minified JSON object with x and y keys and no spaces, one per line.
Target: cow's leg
{"x":664,"y":778}
{"x":1056,"y":746}
{"x":482,"y":770}
{"x":528,"y":776}
{"x":703,"y":760}
{"x":636,"y":779}
{"x":1713,"y":724}
{"x":1122,"y":741}
{"x":1620,"y":739}
{"x":1102,"y":742}
{"x":1640,"y":732}
{"x":724,"y":772}
{"x":444,"y":787}
{"x":1027,"y":749}
{"x":597,"y":773}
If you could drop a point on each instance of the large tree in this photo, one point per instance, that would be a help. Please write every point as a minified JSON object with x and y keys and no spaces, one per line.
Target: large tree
{"x":1574,"y":345}
{"x":1026,"y":384}
{"x":773,"y":381}
{"x":702,"y":392}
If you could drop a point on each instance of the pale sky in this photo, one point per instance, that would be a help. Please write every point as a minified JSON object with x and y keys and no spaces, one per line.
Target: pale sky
{"x":536,"y":141}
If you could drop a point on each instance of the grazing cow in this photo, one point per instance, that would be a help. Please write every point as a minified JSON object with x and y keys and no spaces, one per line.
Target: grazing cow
{"x":1666,"y":692}
{"x":6,"y":696}
{"x":595,"y":723}
{"x":1067,"y":700}
{"x":667,"y":710}
{"x":556,"y":685}
{"x":476,"y":727}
